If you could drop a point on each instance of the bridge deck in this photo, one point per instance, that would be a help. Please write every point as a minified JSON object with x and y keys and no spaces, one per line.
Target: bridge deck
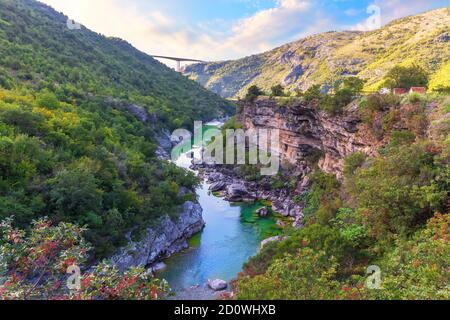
{"x":178,"y":59}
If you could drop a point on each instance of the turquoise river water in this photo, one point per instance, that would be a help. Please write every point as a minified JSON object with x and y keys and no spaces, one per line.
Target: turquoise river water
{"x":232,"y":235}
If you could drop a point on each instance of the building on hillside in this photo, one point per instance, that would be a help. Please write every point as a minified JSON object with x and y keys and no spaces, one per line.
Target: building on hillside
{"x":421,"y":90}
{"x":399,"y":91}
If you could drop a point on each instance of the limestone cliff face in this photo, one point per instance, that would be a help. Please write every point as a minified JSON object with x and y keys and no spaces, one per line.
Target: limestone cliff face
{"x":304,"y":131}
{"x":169,"y":236}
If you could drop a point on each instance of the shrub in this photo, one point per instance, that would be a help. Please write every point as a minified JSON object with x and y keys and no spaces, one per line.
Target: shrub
{"x":353,"y":162}
{"x":417,"y":268}
{"x":307,"y":275}
{"x":379,"y":102}
{"x":253,"y":93}
{"x":35,"y":266}
{"x":324,"y":188}
{"x":313,"y":94}
{"x":415,"y":98}
{"x":278,"y":91}
{"x":398,"y":191}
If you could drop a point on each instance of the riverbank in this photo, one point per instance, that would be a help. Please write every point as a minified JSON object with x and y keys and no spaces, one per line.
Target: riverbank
{"x":226,"y":182}
{"x":167,"y":237}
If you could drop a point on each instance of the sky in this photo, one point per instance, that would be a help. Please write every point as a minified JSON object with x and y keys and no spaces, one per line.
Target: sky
{"x":214,"y":30}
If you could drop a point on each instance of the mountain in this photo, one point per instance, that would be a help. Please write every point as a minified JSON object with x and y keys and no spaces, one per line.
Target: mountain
{"x":324,"y":58}
{"x":39,"y":51}
{"x":79,"y":115}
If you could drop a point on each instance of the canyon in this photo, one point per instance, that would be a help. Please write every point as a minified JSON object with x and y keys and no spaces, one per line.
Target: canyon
{"x":307,"y":137}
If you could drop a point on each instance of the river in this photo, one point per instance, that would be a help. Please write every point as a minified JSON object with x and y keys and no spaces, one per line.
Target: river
{"x":232,"y":235}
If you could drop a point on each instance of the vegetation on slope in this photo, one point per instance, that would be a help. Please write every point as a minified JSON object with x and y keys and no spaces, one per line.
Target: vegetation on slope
{"x":325,"y":58}
{"x":391,"y":211}
{"x":38,"y":51}
{"x":67,"y":149}
{"x":87,"y":164}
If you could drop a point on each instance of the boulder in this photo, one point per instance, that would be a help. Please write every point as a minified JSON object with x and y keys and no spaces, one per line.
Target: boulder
{"x":215,"y":177}
{"x":444,"y":37}
{"x":236,"y":192}
{"x":280,"y":207}
{"x":217,"y":285}
{"x":277,"y":206}
{"x":262,"y":212}
{"x":217,"y":186}
{"x":298,"y":223}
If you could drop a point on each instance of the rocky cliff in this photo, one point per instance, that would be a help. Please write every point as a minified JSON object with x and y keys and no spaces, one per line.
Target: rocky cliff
{"x":167,"y":237}
{"x":306,"y":132}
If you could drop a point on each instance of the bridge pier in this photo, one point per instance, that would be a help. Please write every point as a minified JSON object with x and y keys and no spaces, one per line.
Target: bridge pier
{"x":178,"y":61}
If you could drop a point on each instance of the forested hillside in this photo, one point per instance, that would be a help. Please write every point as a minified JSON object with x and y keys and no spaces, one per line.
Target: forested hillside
{"x":387,"y":213}
{"x":39,"y":52}
{"x":325,"y":58}
{"x":65,"y":151}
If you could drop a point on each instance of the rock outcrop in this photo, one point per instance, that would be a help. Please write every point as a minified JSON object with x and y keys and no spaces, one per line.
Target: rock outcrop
{"x":271,"y":239}
{"x":306,"y":133}
{"x":167,"y":237}
{"x":240,"y":190}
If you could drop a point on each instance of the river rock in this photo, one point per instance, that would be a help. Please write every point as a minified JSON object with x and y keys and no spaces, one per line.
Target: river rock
{"x":298,"y":223}
{"x":215,"y":177}
{"x":169,"y":236}
{"x":281,"y":223}
{"x":217,"y":186}
{"x":217,"y":285}
{"x":158,"y":267}
{"x":236,"y":192}
{"x":262,"y":212}
{"x":281,"y":207}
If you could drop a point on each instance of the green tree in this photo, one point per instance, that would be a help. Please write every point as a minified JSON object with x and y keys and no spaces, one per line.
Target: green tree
{"x":314,"y":93}
{"x":354,"y":84}
{"x":277,"y":91}
{"x":406,"y":77}
{"x":75,"y":192}
{"x":354,"y":162}
{"x":398,"y":191}
{"x":253,"y":92}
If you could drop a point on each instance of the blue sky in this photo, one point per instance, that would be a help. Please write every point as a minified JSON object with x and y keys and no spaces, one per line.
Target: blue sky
{"x":228,"y":29}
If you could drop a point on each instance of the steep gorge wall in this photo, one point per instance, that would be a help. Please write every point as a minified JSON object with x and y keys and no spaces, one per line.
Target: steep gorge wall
{"x":168,"y":236}
{"x":304,"y":131}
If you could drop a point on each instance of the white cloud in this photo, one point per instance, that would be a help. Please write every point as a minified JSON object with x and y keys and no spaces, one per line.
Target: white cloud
{"x":156,"y":33}
{"x":394,"y":9}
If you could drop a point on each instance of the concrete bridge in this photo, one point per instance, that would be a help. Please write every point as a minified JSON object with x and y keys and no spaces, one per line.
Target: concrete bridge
{"x":178,"y":61}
